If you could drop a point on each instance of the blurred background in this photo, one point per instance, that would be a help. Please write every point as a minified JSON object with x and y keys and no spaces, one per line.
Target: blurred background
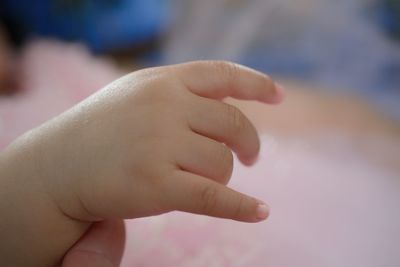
{"x":339,"y":59}
{"x":346,"y":44}
{"x":332,"y":168}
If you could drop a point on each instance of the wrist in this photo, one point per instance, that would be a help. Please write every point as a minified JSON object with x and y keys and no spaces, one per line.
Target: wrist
{"x":34,"y":231}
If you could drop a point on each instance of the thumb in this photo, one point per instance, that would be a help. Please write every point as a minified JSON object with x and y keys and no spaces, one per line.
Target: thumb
{"x":101,"y":246}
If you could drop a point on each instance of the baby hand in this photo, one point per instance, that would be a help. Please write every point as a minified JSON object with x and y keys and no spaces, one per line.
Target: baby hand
{"x":155,"y":141}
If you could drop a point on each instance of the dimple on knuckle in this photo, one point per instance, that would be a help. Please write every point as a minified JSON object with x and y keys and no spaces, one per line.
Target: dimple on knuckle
{"x":209,"y":199}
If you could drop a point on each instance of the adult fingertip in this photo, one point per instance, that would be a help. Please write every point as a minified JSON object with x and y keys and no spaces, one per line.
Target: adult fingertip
{"x":102,"y":245}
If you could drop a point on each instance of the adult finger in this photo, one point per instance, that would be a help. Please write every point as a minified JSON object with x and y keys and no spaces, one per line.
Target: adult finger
{"x":101,"y":246}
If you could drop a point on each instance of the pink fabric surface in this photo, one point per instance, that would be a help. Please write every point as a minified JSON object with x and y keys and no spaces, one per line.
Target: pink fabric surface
{"x":330,"y":205}
{"x":55,"y":76}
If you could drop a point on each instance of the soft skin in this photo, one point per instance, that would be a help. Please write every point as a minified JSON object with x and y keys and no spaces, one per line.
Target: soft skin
{"x":154,"y":141}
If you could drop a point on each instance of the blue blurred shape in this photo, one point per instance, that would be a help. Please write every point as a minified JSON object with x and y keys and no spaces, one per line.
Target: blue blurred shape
{"x":102,"y":24}
{"x":389,"y":16}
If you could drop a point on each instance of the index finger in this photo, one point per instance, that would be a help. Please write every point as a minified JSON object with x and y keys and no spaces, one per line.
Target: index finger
{"x":220,"y":79}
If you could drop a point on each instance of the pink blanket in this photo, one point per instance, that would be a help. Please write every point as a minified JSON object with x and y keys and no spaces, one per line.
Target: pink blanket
{"x":55,"y":76}
{"x":330,"y":205}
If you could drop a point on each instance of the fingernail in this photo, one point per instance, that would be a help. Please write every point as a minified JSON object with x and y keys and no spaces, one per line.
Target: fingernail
{"x":262,"y":211}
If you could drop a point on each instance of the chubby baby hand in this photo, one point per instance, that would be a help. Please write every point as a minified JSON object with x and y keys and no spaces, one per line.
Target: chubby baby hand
{"x":155,"y":141}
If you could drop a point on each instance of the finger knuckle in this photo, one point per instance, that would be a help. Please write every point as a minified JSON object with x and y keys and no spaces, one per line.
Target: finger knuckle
{"x":209,"y":199}
{"x":236,"y":119}
{"x":226,"y":162}
{"x":238,"y":210}
{"x":226,"y":69}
